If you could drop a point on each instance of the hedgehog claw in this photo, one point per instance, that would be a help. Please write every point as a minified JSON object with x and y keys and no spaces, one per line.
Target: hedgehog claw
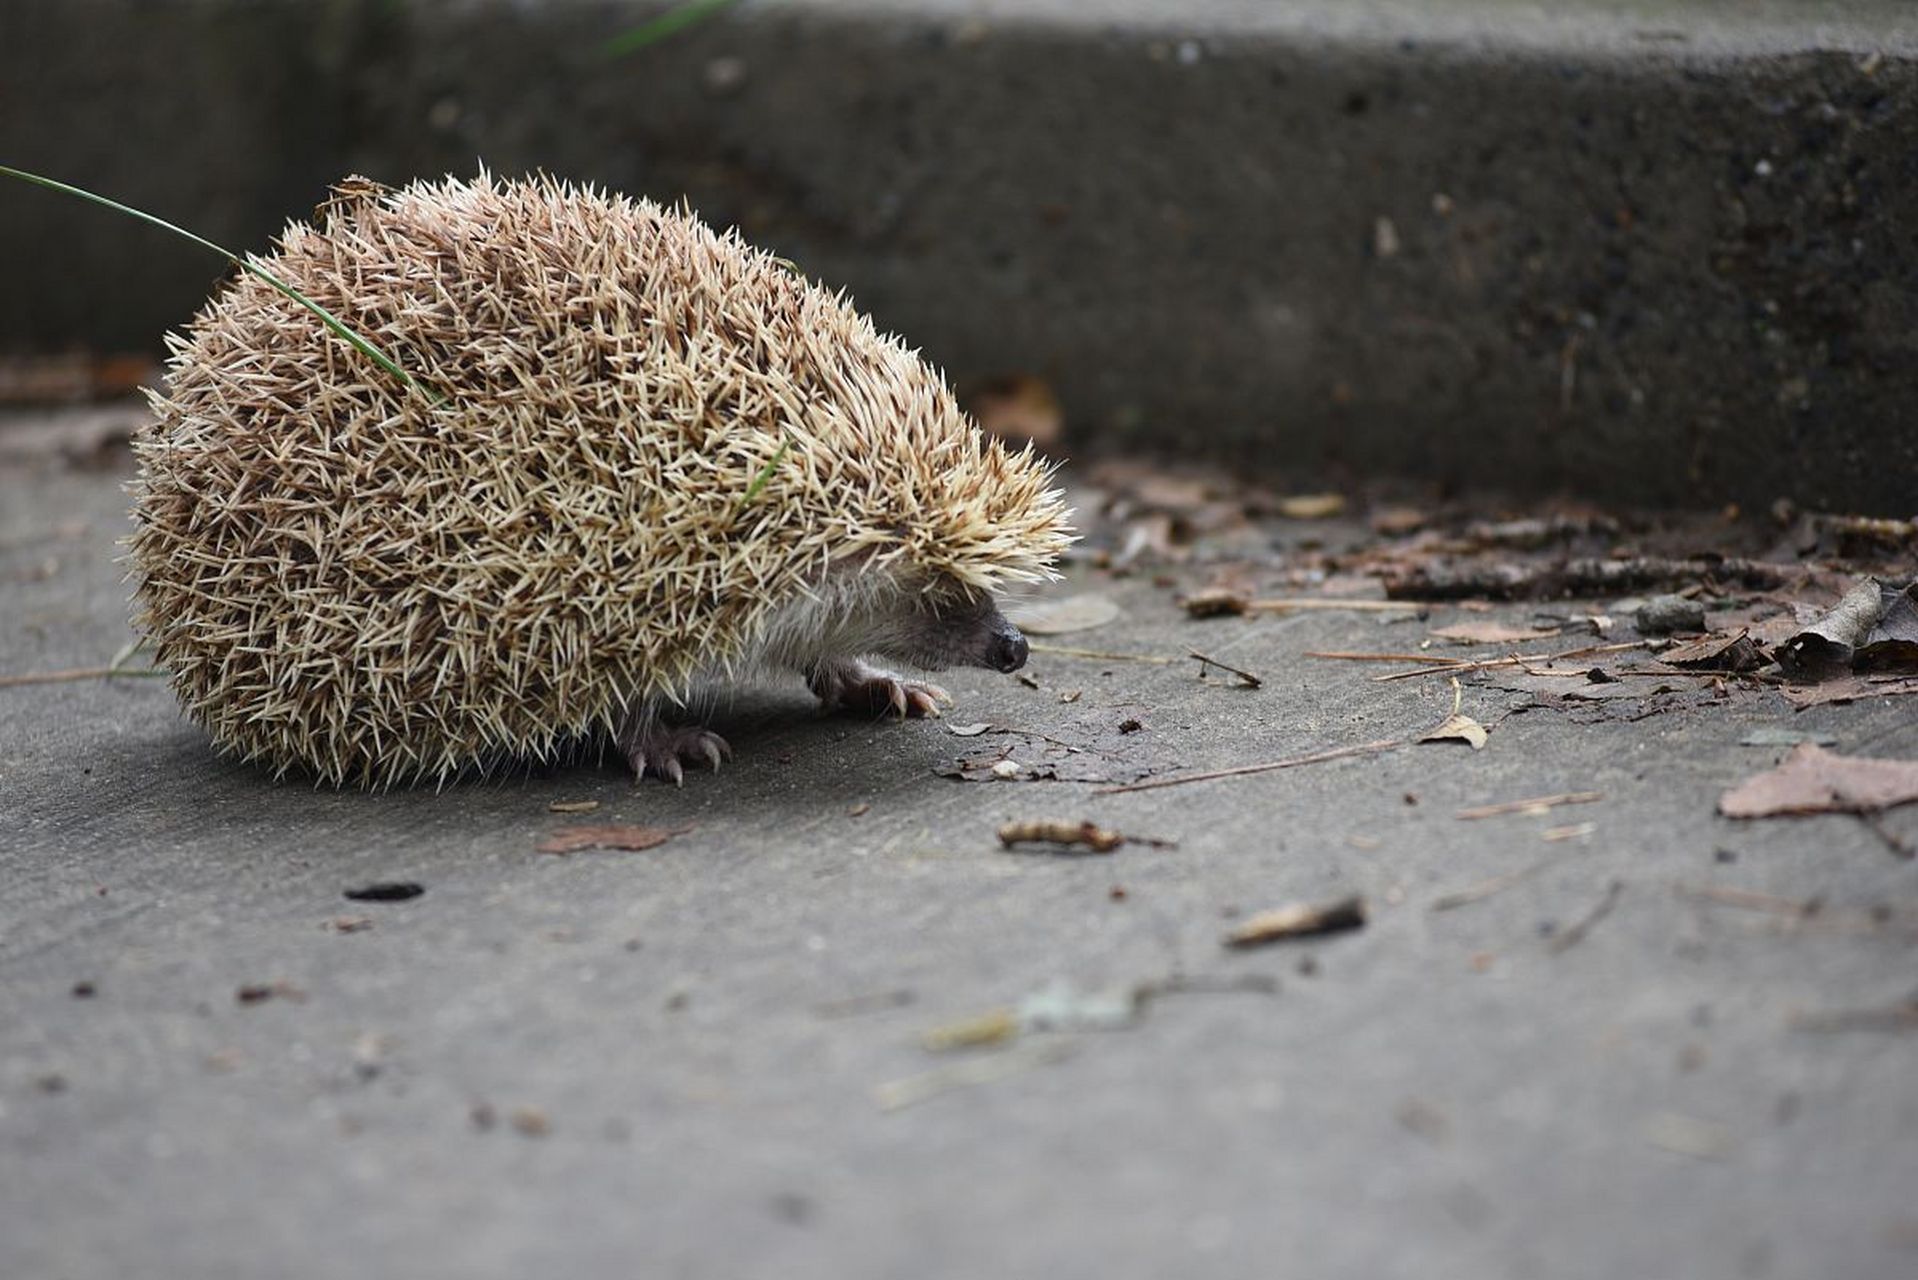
{"x":856,"y":687}
{"x":660,"y":750}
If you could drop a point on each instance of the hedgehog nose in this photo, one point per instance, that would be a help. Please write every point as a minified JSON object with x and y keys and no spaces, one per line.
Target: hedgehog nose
{"x":1007,"y":649}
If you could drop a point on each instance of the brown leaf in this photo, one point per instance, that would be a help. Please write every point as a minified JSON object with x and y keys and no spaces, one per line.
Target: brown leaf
{"x":1716,"y":653}
{"x":1814,"y":780}
{"x":1848,"y":689}
{"x":1311,"y":506}
{"x":1826,"y":646}
{"x":1017,"y":408}
{"x":1893,"y":643}
{"x":1216,"y":602}
{"x":575,"y":839}
{"x":1396,"y":522}
{"x":1173,"y":494}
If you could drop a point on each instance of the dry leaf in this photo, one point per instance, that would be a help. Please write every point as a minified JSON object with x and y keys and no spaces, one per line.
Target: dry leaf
{"x":575,"y":839}
{"x":1396,"y":522}
{"x":1490,"y":633}
{"x":1017,"y":408}
{"x":1060,"y":617}
{"x":1814,"y":780}
{"x":1216,"y":602}
{"x":1297,"y":920}
{"x":1827,"y":645}
{"x":1064,"y":834}
{"x":1716,"y":653}
{"x":1893,"y":643}
{"x":1311,"y":506}
{"x":1460,"y":727}
{"x":1174,"y":494}
{"x":1848,"y":689}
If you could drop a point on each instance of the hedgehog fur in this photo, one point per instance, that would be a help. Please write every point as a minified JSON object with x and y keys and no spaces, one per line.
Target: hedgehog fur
{"x":643,"y":459}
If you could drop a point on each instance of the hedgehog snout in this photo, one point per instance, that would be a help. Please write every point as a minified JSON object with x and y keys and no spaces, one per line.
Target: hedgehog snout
{"x":1006,"y":649}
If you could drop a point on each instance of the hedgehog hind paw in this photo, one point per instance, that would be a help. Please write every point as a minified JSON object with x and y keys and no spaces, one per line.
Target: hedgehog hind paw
{"x":659,"y":750}
{"x":869,"y":691}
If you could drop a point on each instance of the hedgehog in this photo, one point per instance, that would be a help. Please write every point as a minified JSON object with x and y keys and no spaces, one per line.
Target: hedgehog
{"x":634,"y":463}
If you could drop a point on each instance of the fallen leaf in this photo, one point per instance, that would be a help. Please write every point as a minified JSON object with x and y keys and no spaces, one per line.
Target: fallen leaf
{"x":1461,"y":728}
{"x":1311,"y":506}
{"x":1893,"y":643}
{"x":1216,"y":602}
{"x":1017,"y":408}
{"x":1064,"y":834}
{"x":1490,"y":633}
{"x":1170,"y":493}
{"x":1716,"y":653}
{"x":1827,"y":645}
{"x":1814,"y":780}
{"x":1687,"y":1135}
{"x":1060,"y":617}
{"x":992,"y":1027}
{"x":1298,"y":920}
{"x":576,"y":839}
{"x":1848,"y":689}
{"x":1396,"y":522}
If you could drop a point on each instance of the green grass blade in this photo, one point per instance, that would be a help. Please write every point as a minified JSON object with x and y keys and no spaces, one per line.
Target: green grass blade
{"x":666,"y":24}
{"x":332,"y":321}
{"x":766,"y":472}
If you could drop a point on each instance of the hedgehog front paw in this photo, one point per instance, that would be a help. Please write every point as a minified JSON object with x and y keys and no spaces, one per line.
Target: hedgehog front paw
{"x":868,"y":691}
{"x":660,"y":749}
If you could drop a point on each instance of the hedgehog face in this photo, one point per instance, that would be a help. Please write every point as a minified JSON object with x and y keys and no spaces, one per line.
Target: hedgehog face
{"x":881,"y":611}
{"x":949,"y":628}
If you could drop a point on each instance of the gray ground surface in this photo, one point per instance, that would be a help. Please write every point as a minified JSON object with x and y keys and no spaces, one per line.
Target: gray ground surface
{"x":1438,"y":1094}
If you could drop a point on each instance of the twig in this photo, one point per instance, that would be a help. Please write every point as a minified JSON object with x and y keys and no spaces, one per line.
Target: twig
{"x":1807,"y":914}
{"x":1537,"y":804}
{"x":1584,"y":577}
{"x":1299,"y":604}
{"x":1343,"y":655}
{"x":895,"y":1094}
{"x":1576,"y":934}
{"x":1339,"y":753}
{"x":1518,"y":659}
{"x":1249,"y":680}
{"x":1770,"y":903}
{"x":1899,"y":846}
{"x":78,"y":673}
{"x":1897,"y":1017}
{"x":872,"y":1002}
{"x":1486,"y":888}
{"x":1067,"y":651}
{"x":1181,"y":984}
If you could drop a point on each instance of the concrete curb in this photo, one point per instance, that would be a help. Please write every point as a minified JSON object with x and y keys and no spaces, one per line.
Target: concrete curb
{"x":1641,"y":252}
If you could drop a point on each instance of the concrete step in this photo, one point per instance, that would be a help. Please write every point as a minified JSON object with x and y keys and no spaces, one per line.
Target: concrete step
{"x":1641,"y":251}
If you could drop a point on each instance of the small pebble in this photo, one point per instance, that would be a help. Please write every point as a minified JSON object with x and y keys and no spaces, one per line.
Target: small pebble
{"x":1664,"y":614}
